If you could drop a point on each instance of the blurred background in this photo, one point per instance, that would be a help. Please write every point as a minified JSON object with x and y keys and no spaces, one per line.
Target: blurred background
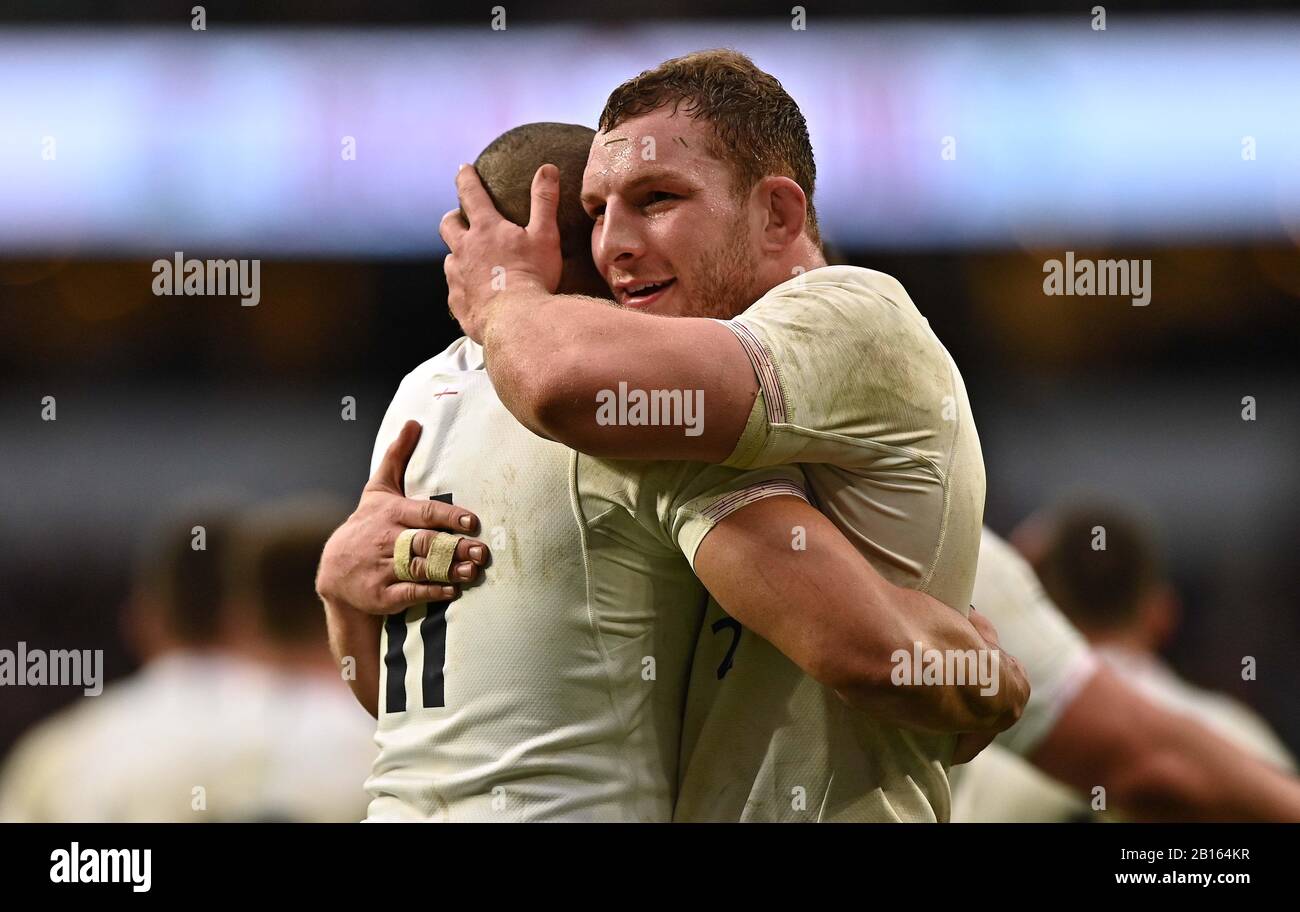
{"x":957,"y":152}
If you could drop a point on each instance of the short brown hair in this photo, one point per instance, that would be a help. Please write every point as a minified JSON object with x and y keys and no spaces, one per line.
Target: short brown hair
{"x":187,"y":583}
{"x":509,"y":162}
{"x":272,"y":565}
{"x":1099,"y":588}
{"x":759,"y":127}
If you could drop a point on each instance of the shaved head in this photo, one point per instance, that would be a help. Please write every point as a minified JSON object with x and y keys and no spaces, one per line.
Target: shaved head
{"x":506,"y":168}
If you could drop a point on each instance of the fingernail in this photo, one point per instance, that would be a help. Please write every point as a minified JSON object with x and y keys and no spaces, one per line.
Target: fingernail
{"x":466,"y":521}
{"x":448,"y":592}
{"x":464,"y":570}
{"x":476,"y":552}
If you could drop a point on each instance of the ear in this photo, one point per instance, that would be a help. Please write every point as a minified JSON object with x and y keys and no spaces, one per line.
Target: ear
{"x":785,"y":210}
{"x":1159,"y":613}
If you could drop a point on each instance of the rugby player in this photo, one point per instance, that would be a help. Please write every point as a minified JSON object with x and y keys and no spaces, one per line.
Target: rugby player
{"x":1154,"y":748}
{"x":237,"y":713}
{"x":700,"y":184}
{"x":551,"y":354}
{"x":590,"y":585}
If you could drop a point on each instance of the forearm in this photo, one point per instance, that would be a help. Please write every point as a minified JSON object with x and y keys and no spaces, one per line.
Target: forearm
{"x":982,"y":697}
{"x":1158,"y":765}
{"x":530,"y":340}
{"x":1193,"y":774}
{"x":833,"y":614}
{"x":354,"y":639}
{"x":554,"y":359}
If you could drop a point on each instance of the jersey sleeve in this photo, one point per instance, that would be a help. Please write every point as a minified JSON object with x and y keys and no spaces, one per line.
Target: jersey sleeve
{"x":1055,"y":656}
{"x":681,"y":502}
{"x":849,"y":373}
{"x":856,"y":388}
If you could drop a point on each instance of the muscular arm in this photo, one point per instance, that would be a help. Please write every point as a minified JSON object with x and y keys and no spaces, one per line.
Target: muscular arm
{"x":1158,"y":765}
{"x":354,"y":635}
{"x":832,"y":614}
{"x":549,"y":357}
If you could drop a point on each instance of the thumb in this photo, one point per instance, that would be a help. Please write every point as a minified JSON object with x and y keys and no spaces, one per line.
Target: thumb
{"x":545,"y":201}
{"x":391,"y":474}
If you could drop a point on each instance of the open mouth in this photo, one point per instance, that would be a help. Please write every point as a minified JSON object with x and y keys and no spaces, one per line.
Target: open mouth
{"x":644,"y":294}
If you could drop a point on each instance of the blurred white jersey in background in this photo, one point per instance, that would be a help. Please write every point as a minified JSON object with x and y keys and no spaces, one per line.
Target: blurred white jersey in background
{"x":196,"y":737}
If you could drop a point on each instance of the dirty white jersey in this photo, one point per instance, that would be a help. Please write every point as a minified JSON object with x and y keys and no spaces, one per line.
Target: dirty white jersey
{"x":855,"y":387}
{"x":553,"y":689}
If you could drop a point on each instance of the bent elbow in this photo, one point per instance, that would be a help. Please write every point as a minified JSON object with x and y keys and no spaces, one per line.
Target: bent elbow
{"x":540,"y":397}
{"x":555,"y":409}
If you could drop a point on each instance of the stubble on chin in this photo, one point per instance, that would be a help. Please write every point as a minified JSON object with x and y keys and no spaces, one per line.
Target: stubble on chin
{"x":724,"y":285}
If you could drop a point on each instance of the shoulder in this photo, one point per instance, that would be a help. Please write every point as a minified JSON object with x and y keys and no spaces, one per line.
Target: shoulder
{"x":835,"y":287}
{"x":418,"y":395}
{"x":460,"y":357}
{"x":845,"y":314}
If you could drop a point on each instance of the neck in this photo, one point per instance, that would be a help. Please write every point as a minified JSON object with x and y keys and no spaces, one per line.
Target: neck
{"x":1120,"y":638}
{"x":802,"y":256}
{"x":807,"y":254}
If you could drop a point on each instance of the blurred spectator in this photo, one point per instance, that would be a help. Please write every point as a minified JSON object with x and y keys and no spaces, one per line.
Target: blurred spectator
{"x":237,"y":712}
{"x":319,"y":741}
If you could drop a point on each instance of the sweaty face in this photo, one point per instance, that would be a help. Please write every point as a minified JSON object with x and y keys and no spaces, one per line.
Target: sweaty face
{"x":671,"y":237}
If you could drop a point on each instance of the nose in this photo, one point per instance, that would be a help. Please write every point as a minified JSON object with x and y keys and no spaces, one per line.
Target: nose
{"x":617,"y":240}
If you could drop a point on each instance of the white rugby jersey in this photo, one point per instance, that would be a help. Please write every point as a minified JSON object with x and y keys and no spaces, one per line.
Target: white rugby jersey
{"x":856,"y":387}
{"x":552,"y":690}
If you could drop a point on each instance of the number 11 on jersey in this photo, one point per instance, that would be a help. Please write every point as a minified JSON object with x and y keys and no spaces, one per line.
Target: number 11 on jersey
{"x":433,"y":638}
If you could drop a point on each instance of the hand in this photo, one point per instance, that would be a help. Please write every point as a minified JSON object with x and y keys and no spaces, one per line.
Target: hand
{"x":1013,"y":686}
{"x":356,"y":567}
{"x":491,"y":254}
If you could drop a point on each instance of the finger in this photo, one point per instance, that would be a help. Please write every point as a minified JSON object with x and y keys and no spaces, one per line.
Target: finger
{"x":545,"y":201}
{"x":460,"y":571}
{"x":474,"y":200}
{"x":434,"y":514}
{"x":473,"y":550}
{"x":391,"y":474}
{"x":452,"y":227}
{"x":467,"y":549}
{"x":407,"y":595}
